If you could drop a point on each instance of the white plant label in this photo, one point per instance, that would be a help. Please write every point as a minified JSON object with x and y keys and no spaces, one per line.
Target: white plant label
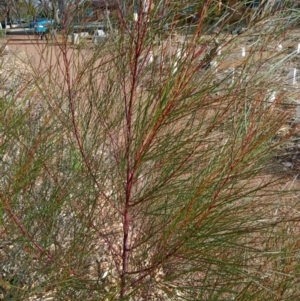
{"x":292,"y":77}
{"x":272,"y":97}
{"x":151,"y":57}
{"x":75,"y":38}
{"x":298,"y":113}
{"x":214,"y":65}
{"x":243,"y":52}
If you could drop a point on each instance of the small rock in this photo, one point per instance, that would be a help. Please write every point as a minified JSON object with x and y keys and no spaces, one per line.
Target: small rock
{"x":279,"y":47}
{"x":104,"y":275}
{"x":283,"y":131}
{"x":6,"y":49}
{"x":287,"y":164}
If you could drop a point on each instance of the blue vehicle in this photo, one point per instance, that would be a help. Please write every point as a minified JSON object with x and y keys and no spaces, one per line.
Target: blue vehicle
{"x":43,"y":26}
{"x":33,"y":22}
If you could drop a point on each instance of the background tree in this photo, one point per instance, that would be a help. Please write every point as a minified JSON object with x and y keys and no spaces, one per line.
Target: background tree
{"x":6,"y":9}
{"x":25,"y":9}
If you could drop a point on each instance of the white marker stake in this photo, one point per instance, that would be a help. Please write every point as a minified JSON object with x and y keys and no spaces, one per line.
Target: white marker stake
{"x":272,"y":97}
{"x":292,"y":76}
{"x":298,"y":48}
{"x":135,"y":17}
{"x":243,"y":52}
{"x":298,"y":113}
{"x":175,"y":68}
{"x":151,"y":58}
{"x":279,"y":47}
{"x":214,"y":66}
{"x":179,"y":56}
{"x":75,"y":39}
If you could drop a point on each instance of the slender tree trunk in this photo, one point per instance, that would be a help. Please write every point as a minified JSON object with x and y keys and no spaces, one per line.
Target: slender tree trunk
{"x":8,"y":17}
{"x":55,"y":12}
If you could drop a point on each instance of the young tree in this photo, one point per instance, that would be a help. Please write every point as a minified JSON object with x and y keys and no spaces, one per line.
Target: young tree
{"x":141,"y":168}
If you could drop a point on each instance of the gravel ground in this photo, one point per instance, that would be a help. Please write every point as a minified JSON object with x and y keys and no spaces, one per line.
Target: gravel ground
{"x":28,"y":50}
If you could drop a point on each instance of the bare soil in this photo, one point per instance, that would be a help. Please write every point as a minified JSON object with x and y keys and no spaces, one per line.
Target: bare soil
{"x":34,"y":47}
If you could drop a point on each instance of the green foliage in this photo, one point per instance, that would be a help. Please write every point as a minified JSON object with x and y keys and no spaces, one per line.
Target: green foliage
{"x":124,"y":178}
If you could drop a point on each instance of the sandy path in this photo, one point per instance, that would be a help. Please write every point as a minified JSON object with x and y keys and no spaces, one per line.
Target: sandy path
{"x":46,"y":56}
